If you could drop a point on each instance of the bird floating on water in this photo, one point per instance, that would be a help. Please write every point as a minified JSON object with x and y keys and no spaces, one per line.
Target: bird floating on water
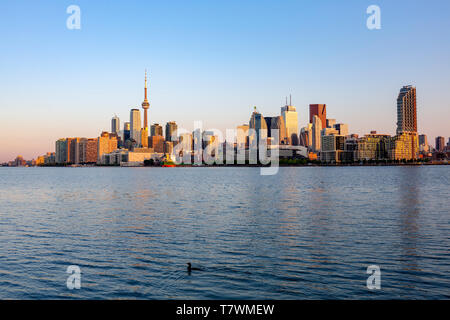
{"x":190,"y":268}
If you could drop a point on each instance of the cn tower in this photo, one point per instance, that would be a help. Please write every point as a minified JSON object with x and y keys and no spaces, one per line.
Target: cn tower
{"x":145,"y":104}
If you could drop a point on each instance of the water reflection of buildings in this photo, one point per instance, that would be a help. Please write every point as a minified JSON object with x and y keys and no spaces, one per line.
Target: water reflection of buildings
{"x":409,"y":196}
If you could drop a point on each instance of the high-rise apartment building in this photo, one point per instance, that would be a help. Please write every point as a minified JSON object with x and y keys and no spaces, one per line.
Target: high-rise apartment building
{"x":403,"y":146}
{"x":61,"y":151}
{"x":106,"y":143}
{"x":407,"y":110}
{"x":319,"y":110}
{"x":88,"y":150}
{"x":333,"y":147}
{"x":135,"y":126}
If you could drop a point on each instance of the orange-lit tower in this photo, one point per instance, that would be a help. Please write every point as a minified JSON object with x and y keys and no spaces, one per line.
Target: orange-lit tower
{"x":145,"y":104}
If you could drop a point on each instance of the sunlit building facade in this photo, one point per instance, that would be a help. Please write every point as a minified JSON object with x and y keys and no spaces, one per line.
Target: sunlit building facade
{"x":135,"y":126}
{"x":290,"y":118}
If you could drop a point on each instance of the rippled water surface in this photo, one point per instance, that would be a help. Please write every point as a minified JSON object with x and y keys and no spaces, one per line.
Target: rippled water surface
{"x":305,"y":233}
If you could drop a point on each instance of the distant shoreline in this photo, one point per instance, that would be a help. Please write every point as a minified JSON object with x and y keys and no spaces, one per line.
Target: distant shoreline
{"x":244,"y":165}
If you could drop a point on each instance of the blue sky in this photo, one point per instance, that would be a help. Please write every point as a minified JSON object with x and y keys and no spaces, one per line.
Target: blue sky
{"x":214,"y":60}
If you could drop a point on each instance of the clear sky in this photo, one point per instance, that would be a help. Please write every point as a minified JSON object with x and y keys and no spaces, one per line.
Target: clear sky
{"x":213,"y":61}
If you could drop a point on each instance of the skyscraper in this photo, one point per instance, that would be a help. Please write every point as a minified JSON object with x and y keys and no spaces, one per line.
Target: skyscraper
{"x":277,"y":123}
{"x":171,"y":127}
{"x":290,"y":117}
{"x":156,"y":130}
{"x":407,"y":110}
{"x":440,"y":144}
{"x":257,"y":122}
{"x":126,"y":132}
{"x":135,"y":126}
{"x":115,"y":125}
{"x":316,"y":133}
{"x":423,"y":141}
{"x":319,"y":110}
{"x":61,"y":151}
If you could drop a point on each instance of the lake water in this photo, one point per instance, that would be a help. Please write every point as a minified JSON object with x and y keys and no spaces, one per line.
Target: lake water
{"x":305,"y":233}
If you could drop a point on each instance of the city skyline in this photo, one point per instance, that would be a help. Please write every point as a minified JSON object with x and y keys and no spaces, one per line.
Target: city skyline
{"x":406,"y":109}
{"x":76,"y":80}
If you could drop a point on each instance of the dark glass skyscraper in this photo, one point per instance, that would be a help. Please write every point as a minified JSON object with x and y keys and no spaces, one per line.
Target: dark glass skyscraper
{"x":171,"y":127}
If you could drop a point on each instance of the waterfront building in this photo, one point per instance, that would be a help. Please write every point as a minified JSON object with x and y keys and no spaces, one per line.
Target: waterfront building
{"x":19,"y":162}
{"x":61,"y":151}
{"x":88,"y":150}
{"x":123,"y":157}
{"x":135,"y":126}
{"x":370,"y":147}
{"x":40,"y":160}
{"x":50,"y":158}
{"x":319,"y":110}
{"x":403,"y":146}
{"x":73,"y":150}
{"x":332,"y":148}
{"x":106,"y":143}
{"x":407,"y":110}
{"x":156,"y":130}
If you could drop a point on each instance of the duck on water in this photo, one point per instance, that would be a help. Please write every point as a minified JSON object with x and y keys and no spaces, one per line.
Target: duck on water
{"x":191,"y":268}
